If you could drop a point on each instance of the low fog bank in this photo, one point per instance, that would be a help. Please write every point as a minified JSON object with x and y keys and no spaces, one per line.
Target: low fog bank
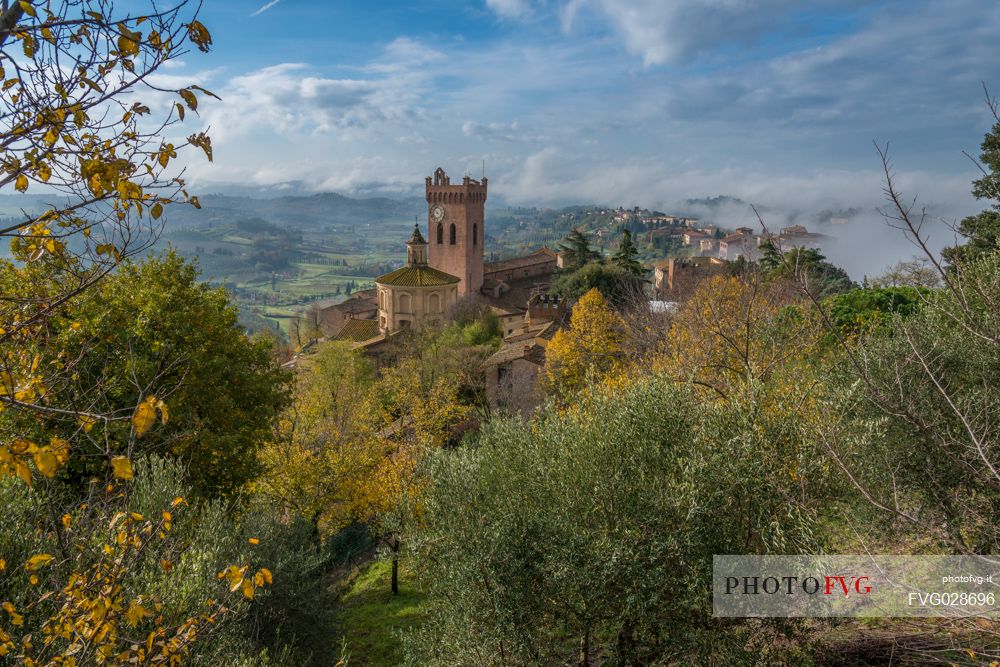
{"x":862,"y":241}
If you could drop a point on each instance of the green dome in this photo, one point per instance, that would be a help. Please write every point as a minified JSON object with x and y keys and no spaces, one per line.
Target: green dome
{"x":417,"y":276}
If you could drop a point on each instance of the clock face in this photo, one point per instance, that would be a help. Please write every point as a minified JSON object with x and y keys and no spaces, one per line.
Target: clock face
{"x":437,"y":213}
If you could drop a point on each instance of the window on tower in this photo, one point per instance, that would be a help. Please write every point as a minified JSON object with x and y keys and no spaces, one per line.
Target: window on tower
{"x":440,"y":233}
{"x":452,"y":234}
{"x":475,"y":231}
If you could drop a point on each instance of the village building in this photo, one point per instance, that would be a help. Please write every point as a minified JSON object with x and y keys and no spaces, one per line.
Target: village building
{"x":361,"y":305}
{"x":513,"y":371}
{"x":734,"y":246}
{"x":693,"y":237}
{"x":674,"y":278}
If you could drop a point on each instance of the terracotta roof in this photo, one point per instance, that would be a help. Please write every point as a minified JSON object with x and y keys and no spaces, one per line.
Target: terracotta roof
{"x":511,"y":351}
{"x":358,"y":330}
{"x":357,"y":302}
{"x":519,"y":292}
{"x":542,"y":256}
{"x":417,"y":276}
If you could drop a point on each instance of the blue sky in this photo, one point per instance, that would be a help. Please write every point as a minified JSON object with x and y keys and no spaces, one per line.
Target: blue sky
{"x":617,"y":101}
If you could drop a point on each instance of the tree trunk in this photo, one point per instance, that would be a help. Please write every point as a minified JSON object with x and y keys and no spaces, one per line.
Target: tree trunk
{"x":626,"y":645}
{"x":8,"y":20}
{"x":585,"y":648}
{"x":394,"y":546}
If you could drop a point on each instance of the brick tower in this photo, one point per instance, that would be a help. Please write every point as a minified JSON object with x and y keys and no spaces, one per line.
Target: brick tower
{"x":455,"y":229}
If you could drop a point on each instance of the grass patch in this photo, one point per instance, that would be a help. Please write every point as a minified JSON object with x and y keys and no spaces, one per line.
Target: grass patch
{"x":370,"y":617}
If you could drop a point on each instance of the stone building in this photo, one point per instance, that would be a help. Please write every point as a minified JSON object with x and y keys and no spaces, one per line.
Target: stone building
{"x":675,"y":278}
{"x":455,"y":217}
{"x":513,"y":371}
{"x":417,"y":293}
{"x":359,"y":306}
{"x":446,"y":267}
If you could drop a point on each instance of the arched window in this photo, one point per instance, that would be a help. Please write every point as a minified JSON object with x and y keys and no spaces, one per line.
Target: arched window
{"x":440,"y":233}
{"x":434,"y":303}
{"x":451,"y":234}
{"x":475,"y":231}
{"x":404,"y":303}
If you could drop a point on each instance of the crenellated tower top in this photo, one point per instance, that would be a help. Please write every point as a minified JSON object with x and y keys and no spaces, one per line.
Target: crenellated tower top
{"x":439,"y":190}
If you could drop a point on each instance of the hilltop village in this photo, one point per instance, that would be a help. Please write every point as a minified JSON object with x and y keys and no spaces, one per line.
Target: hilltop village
{"x":445,"y":267}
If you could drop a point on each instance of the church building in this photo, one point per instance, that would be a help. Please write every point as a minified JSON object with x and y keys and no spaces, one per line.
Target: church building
{"x":415,"y":294}
{"x":443,"y":268}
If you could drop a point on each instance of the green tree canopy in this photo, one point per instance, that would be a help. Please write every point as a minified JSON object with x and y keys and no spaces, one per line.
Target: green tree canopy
{"x":152,"y":329}
{"x":627,"y":257}
{"x":981,"y":231}
{"x":805,"y":265}
{"x":619,"y":286}
{"x":577,"y":251}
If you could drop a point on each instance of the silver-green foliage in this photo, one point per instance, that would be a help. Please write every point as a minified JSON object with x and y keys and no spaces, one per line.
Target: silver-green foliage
{"x":589,"y":534}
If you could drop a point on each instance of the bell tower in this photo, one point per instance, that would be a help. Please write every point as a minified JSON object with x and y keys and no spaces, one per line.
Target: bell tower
{"x":455,"y":215}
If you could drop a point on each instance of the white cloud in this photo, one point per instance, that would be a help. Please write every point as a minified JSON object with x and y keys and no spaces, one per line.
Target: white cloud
{"x":289,"y":100}
{"x":509,"y":8}
{"x":670,"y":31}
{"x":511,"y":132}
{"x":263,"y":8}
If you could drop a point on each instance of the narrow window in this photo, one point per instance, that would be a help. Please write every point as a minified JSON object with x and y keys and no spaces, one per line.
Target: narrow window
{"x":475,"y":229}
{"x":440,"y":233}
{"x":451,"y":234}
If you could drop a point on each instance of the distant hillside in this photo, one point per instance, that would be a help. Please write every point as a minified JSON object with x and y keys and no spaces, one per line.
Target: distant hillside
{"x":299,"y":211}
{"x":306,"y":211}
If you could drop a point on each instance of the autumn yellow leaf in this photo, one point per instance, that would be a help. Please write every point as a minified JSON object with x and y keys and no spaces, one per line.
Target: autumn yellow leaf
{"x":164,"y":412}
{"x":254,"y":541}
{"x":46,"y":462}
{"x":21,"y":183}
{"x":248,"y":588}
{"x":190,"y":98}
{"x":135,"y":613}
{"x":144,"y":416}
{"x":199,"y":35}
{"x":122,"y":467}
{"x":60,"y":448}
{"x":86,"y":422}
{"x":37,"y":561}
{"x":22,"y":471}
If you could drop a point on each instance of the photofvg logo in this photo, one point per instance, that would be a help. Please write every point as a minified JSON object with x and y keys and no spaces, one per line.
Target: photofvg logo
{"x":826,"y":586}
{"x":810,"y":585}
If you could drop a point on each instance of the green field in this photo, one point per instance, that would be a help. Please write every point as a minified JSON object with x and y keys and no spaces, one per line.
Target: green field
{"x":275,"y":273}
{"x":371,"y":618}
